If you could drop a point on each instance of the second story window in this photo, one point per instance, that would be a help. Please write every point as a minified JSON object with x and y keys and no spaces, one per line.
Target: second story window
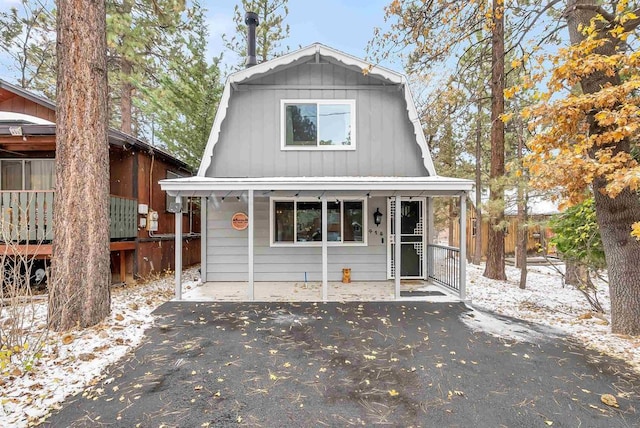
{"x":318,"y":124}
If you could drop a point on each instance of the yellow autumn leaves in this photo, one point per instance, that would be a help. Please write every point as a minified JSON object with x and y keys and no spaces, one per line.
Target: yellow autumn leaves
{"x":580,"y":136}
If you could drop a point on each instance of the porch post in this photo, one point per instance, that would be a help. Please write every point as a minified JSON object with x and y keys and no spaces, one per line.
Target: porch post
{"x":178,"y":244}
{"x":203,"y":238}
{"x":463,"y":245}
{"x":250,"y":245}
{"x":325,"y":282}
{"x":397,"y":256}
{"x":432,"y":238}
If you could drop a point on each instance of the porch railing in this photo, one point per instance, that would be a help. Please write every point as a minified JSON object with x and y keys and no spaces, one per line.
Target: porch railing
{"x":444,"y":266}
{"x":27,"y":216}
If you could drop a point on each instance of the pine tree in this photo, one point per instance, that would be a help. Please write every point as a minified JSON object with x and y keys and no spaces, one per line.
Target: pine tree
{"x":184,"y":103}
{"x":270,"y":34}
{"x":79,"y":292}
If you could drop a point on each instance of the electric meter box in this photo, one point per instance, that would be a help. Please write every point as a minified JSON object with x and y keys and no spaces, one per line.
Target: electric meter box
{"x":152,"y":221}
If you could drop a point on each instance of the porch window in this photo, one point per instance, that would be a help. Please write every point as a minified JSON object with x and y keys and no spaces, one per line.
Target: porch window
{"x":27,"y":174}
{"x":299,"y":222}
{"x":318,"y":124}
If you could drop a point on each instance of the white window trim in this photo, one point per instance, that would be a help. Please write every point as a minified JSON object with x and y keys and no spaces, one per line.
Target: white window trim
{"x":295,"y":243}
{"x":283,"y":124}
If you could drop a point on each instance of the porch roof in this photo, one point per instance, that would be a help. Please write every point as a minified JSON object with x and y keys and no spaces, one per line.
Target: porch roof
{"x":373,"y":186}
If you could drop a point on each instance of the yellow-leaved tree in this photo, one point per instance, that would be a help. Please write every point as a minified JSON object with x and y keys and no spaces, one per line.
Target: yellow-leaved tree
{"x":587,"y":125}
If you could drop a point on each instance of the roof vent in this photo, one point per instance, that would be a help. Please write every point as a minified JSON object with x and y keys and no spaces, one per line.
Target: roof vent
{"x":251,"y":19}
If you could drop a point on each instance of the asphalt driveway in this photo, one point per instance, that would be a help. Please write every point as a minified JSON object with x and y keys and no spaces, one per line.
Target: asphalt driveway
{"x":343,"y":364}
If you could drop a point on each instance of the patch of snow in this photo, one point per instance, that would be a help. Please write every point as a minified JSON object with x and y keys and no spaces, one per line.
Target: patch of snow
{"x":75,"y":359}
{"x":547,"y":302}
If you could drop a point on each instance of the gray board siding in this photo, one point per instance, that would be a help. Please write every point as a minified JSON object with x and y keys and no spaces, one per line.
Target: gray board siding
{"x":227,"y":250}
{"x":249,"y":143}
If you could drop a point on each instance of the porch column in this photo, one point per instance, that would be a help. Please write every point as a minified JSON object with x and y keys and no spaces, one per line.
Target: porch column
{"x":178,"y":244}
{"x":325,"y":269}
{"x":203,"y":238}
{"x":463,"y":246}
{"x":250,"y":245}
{"x":431,"y":235}
{"x":397,"y":256}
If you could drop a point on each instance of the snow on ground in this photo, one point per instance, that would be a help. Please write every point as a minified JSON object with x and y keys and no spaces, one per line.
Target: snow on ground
{"x":76,"y":359}
{"x":547,"y":302}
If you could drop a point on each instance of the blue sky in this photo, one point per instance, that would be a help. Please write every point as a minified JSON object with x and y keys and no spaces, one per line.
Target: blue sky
{"x":346,"y":25}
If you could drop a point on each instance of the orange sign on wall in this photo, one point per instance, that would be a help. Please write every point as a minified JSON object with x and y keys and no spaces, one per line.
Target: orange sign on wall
{"x":239,"y":221}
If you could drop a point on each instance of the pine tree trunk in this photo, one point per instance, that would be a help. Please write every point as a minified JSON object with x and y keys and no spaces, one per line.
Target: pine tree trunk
{"x":477,"y":251}
{"x":126,"y":96}
{"x":495,"y":252}
{"x":79,"y":292}
{"x":615,"y":215}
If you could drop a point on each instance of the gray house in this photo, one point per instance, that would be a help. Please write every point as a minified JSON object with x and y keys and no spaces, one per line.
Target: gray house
{"x":313,"y":163}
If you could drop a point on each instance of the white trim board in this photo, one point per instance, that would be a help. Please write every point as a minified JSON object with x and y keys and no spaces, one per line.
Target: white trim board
{"x":424,"y":186}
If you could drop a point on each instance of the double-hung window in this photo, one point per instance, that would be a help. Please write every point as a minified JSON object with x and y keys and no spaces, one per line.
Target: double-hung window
{"x":299,"y":222}
{"x":318,"y":124}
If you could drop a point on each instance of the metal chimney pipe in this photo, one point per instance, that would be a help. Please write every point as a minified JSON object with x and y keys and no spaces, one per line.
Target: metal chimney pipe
{"x":251,"y":19}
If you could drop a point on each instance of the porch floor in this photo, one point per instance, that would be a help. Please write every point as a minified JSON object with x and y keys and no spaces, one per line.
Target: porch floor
{"x":312,"y":292}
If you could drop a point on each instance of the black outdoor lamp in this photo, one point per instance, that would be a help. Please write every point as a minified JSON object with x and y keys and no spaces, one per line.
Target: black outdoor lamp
{"x":377,"y":217}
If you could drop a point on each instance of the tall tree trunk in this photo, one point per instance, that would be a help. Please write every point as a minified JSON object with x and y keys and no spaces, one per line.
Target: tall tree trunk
{"x":126,"y":97}
{"x":79,"y":293}
{"x":477,"y":250}
{"x":450,"y":220}
{"x":615,"y":215}
{"x":495,"y":252}
{"x":523,"y":232}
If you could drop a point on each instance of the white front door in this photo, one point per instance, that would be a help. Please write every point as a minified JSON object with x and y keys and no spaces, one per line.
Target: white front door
{"x":412,"y":238}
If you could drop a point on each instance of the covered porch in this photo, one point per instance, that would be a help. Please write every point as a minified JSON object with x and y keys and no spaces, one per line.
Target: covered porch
{"x":252,"y":253}
{"x":369,"y":291}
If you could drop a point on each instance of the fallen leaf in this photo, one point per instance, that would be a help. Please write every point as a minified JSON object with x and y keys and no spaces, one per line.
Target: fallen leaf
{"x":393,"y":393}
{"x":197,"y":388}
{"x":119,"y":317}
{"x":67,"y":339}
{"x":609,"y":400}
{"x":548,"y":422}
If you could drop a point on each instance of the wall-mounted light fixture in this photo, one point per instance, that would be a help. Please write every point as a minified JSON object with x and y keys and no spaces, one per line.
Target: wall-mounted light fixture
{"x":377,"y":217}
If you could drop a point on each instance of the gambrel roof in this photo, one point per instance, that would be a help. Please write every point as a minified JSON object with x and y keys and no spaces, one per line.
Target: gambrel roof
{"x":316,"y":51}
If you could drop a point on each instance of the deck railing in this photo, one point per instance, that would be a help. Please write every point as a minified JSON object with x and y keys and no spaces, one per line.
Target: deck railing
{"x":27,"y":216}
{"x":444,"y":266}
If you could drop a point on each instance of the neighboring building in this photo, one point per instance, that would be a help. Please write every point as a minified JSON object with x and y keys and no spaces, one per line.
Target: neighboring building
{"x":322,"y":158}
{"x":540,"y":209}
{"x":27,"y":186}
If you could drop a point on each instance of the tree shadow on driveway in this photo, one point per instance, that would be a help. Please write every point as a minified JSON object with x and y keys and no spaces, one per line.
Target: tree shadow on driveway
{"x":341,"y":364}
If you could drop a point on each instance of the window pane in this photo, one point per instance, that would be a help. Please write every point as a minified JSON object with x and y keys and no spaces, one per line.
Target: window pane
{"x":309,"y":225}
{"x":335,"y":124}
{"x":11,"y":175}
{"x":333,"y":221}
{"x":40,"y":174}
{"x":301,"y":125}
{"x":283,"y":227}
{"x":353,"y":221}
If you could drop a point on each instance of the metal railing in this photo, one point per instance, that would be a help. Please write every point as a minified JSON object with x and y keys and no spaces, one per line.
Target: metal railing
{"x":27,"y":216}
{"x":444,"y":266}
